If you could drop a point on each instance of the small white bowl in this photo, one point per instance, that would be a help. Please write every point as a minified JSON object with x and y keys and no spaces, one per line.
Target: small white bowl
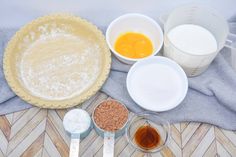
{"x":134,"y":22}
{"x":157,"y":83}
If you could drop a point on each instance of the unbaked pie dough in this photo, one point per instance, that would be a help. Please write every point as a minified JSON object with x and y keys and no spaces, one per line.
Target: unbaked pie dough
{"x":60,"y":66}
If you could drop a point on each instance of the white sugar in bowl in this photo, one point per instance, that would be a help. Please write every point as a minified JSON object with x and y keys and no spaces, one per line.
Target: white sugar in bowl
{"x":157,"y":83}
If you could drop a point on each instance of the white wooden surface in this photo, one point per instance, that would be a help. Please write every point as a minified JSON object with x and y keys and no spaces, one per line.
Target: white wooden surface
{"x":39,"y":133}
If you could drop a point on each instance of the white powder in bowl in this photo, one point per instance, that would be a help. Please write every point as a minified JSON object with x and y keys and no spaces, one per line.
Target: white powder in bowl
{"x":76,"y":121}
{"x":156,"y":85}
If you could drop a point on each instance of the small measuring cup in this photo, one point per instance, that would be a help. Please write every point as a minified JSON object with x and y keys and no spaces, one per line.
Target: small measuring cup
{"x":77,"y":124}
{"x":206,"y":17}
{"x":109,"y":137}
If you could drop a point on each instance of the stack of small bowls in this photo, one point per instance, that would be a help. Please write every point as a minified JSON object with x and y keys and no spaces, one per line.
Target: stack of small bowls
{"x":145,"y":25}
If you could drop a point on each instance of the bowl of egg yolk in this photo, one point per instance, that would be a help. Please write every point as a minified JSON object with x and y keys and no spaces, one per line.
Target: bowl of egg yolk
{"x":132,"y":37}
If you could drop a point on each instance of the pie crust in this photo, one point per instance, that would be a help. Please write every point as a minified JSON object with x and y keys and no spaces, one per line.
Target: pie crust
{"x":57,"y":61}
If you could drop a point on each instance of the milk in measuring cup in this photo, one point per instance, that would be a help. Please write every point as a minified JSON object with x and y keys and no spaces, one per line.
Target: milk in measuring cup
{"x":193,"y":40}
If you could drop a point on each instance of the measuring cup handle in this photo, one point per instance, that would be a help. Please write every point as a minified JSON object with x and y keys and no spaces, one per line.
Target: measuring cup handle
{"x":74,"y":146}
{"x":231,"y":39}
{"x":108,"y":146}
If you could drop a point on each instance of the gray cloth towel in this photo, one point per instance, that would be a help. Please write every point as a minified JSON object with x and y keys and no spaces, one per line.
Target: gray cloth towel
{"x":211,"y":97}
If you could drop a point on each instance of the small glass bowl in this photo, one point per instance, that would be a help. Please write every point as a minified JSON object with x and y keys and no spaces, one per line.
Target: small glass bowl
{"x":161,"y":125}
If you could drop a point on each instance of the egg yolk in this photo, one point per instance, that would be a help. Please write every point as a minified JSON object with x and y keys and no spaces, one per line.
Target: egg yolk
{"x":134,"y":45}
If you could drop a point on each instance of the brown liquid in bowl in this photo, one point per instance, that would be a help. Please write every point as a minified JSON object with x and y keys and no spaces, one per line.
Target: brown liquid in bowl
{"x":147,"y":137}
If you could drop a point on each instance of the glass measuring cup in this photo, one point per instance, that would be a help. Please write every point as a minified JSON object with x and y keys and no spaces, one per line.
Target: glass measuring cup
{"x":77,"y":124}
{"x":109,"y":136}
{"x":139,"y":120}
{"x":206,"y":17}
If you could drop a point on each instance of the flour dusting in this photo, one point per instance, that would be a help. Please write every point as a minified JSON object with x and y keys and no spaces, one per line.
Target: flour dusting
{"x":60,"y":66}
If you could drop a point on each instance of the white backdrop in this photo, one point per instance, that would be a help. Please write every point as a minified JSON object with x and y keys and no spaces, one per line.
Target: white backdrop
{"x":15,"y":13}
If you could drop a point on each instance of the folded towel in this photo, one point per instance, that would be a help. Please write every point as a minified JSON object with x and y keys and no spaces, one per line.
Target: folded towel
{"x":211,"y":97}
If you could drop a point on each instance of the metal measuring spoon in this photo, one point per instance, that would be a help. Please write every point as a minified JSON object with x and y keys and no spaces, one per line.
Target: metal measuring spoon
{"x":109,"y":137}
{"x":77,"y":123}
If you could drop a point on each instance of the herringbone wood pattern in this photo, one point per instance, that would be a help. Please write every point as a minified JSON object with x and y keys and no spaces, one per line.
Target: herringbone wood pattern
{"x":39,"y":133}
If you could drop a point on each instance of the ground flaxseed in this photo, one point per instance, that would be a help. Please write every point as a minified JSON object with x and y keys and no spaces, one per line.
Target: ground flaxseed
{"x":110,"y":115}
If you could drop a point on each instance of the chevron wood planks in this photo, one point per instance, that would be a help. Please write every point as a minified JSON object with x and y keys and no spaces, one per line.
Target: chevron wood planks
{"x":39,"y":132}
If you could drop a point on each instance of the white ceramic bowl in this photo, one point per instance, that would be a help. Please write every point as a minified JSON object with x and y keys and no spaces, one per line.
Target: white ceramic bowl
{"x":134,"y":23}
{"x":157,"y":83}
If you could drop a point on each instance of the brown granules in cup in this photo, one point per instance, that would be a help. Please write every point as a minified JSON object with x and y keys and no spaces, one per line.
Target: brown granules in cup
{"x":110,"y":115}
